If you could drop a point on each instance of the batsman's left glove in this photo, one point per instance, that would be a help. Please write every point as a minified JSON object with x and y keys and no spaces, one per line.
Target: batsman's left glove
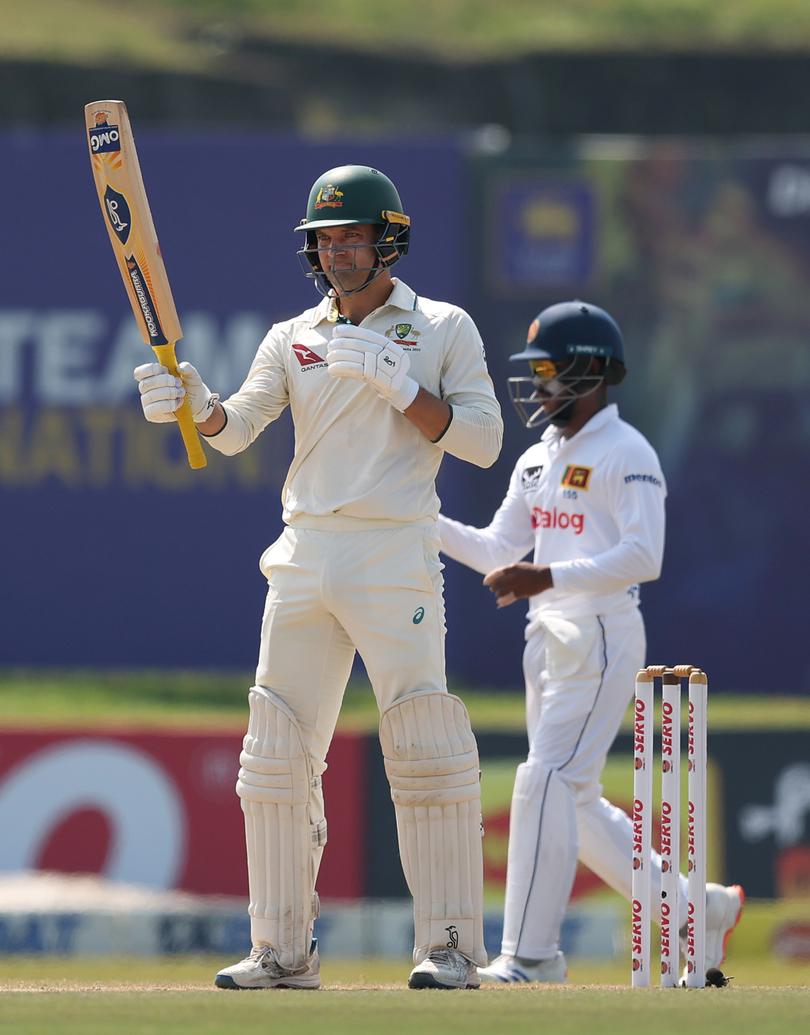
{"x":365,"y":355}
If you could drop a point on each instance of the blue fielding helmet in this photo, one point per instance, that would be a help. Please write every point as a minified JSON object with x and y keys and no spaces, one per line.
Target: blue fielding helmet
{"x":561,"y":346}
{"x":568,"y":330}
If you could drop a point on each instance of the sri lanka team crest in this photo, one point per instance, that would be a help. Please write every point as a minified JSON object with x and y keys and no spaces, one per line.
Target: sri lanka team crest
{"x":329,"y":197}
{"x":577,"y":477}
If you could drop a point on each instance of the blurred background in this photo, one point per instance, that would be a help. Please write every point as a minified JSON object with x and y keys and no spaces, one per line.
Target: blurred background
{"x":651,"y":156}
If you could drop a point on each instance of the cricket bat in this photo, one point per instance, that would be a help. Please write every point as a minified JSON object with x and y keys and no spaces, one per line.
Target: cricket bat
{"x":123,"y":201}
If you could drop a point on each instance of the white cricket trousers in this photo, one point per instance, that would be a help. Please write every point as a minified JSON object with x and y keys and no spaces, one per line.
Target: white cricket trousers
{"x":580,"y":675}
{"x":379,"y":592}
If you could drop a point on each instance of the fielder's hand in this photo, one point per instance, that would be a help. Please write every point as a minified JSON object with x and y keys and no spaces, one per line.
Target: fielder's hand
{"x":162,"y":394}
{"x":518,"y":580}
{"x":364,"y":355}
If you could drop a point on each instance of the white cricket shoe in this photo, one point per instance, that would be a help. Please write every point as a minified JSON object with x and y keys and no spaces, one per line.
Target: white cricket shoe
{"x":261,"y":969}
{"x":505,"y":970}
{"x":723,"y":911}
{"x":444,"y":968}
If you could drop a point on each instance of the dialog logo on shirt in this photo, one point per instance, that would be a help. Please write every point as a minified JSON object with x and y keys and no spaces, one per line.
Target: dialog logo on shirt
{"x":555,"y":518}
{"x":576,"y":477}
{"x":306,"y":357}
{"x":530,"y":478}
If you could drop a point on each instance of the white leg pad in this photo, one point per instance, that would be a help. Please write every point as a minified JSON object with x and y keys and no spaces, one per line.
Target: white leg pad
{"x":431,"y":759}
{"x":284,"y":828}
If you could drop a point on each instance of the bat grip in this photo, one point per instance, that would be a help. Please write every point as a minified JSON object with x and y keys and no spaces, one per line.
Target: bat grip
{"x":188,"y":429}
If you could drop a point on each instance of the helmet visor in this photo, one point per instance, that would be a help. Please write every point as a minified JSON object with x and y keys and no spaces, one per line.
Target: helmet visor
{"x":552,"y":389}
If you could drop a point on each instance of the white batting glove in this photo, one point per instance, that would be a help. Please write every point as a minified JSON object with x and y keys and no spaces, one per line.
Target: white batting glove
{"x":365,"y":355}
{"x":162,"y":393}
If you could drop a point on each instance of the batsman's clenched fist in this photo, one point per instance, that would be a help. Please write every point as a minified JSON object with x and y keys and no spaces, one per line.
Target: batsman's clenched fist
{"x":356,"y":352}
{"x":162,"y":394}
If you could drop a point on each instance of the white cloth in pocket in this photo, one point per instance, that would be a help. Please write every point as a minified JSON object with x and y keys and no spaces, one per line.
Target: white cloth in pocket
{"x":569,"y":642}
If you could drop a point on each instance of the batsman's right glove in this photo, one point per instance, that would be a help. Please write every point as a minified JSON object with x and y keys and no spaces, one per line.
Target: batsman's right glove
{"x":162,"y":393}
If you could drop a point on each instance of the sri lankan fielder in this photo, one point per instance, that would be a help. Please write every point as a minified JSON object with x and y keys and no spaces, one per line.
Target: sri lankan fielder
{"x":381,"y":383}
{"x":588,"y":499}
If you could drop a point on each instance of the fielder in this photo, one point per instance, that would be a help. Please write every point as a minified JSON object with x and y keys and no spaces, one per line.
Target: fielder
{"x":588,"y":499}
{"x":381,"y":383}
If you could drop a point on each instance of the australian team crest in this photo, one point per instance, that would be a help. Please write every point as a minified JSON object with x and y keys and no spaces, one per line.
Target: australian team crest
{"x":329,"y":197}
{"x":403,"y":334}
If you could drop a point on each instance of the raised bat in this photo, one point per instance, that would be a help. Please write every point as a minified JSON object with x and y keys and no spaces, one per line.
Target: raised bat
{"x":123,"y":201}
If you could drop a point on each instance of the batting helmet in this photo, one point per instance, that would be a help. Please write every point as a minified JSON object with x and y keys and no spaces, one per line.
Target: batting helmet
{"x":355,"y":194}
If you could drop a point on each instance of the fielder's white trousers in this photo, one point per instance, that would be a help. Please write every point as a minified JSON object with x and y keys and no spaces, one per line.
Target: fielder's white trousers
{"x":579,"y":676}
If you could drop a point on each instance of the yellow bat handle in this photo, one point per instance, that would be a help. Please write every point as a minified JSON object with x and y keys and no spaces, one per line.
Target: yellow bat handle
{"x":188,"y":429}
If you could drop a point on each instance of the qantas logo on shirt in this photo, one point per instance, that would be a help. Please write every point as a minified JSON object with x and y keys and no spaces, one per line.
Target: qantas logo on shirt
{"x":530,"y":478}
{"x":306,"y":357}
{"x":557,"y":519}
{"x":576,"y":477}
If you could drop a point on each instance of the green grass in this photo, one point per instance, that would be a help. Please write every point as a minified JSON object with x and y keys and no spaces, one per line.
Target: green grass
{"x":205,"y":35}
{"x":219,"y":699}
{"x":172,"y":996}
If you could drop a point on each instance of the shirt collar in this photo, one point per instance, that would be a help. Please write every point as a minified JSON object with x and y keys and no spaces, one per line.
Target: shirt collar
{"x":606,"y":415}
{"x":401,"y":297}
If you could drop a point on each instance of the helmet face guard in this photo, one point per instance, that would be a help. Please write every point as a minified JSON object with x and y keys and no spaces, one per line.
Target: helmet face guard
{"x":353,"y":195}
{"x":549,"y":383}
{"x":391,"y":244}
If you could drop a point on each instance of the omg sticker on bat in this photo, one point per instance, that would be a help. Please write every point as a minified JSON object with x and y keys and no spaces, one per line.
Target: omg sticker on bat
{"x":104,"y":137}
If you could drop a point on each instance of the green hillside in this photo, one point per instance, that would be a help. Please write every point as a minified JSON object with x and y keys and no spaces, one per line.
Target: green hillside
{"x":207,"y":35}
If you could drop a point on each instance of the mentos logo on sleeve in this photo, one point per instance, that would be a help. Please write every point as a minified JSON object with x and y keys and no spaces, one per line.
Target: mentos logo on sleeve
{"x":104,"y":137}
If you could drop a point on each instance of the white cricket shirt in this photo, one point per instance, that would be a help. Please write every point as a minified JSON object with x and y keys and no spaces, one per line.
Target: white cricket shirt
{"x":591,"y":507}
{"x":358,"y":461}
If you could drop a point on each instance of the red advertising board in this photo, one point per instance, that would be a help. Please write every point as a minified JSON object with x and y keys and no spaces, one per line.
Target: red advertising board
{"x":157,"y":809}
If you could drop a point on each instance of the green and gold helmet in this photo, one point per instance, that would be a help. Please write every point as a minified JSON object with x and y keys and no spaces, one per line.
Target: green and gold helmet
{"x":355,"y":194}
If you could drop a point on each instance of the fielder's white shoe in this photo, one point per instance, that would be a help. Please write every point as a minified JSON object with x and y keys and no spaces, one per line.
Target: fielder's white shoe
{"x":261,"y":969}
{"x":723,"y":911}
{"x":444,"y":968}
{"x":505,"y":970}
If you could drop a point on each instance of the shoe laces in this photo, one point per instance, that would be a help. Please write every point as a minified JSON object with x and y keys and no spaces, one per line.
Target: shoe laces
{"x":265,"y":956}
{"x":448,"y":958}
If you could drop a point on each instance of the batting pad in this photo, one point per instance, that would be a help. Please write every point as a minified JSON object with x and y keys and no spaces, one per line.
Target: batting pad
{"x":284,"y":828}
{"x":431,"y":760}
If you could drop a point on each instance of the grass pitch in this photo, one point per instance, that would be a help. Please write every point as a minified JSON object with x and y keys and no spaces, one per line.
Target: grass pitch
{"x":175,"y":995}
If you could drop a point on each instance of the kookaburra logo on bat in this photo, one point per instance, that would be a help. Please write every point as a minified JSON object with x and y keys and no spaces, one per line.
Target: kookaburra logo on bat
{"x":118,"y":213}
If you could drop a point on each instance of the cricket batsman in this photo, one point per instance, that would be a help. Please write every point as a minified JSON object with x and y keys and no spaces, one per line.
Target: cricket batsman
{"x":587,"y":500}
{"x":381,"y":383}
